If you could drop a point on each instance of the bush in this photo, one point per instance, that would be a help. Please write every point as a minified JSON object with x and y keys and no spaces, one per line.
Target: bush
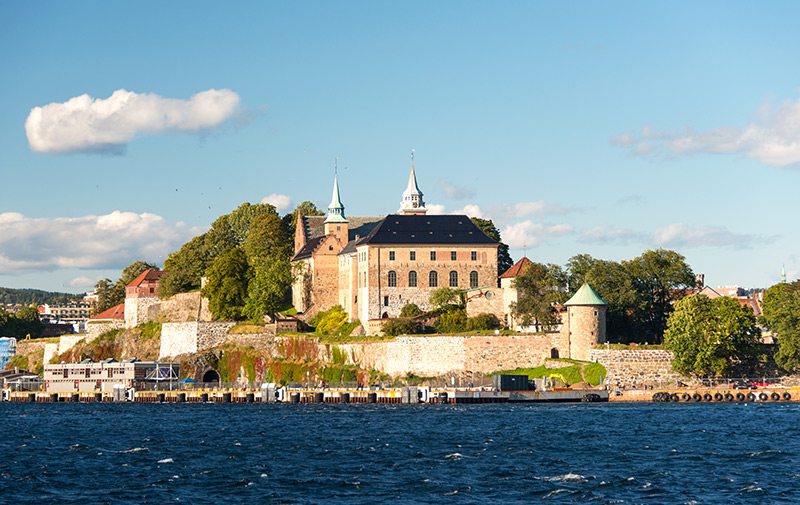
{"x":483,"y":322}
{"x":453,"y":321}
{"x":399,"y":326}
{"x":410,"y":310}
{"x":326,"y":322}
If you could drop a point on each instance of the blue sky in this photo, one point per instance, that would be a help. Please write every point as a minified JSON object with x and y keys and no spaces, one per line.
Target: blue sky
{"x":578,"y":127}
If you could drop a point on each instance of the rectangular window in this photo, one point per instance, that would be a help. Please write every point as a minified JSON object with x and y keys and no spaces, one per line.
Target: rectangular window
{"x":433,"y":255}
{"x":453,"y":256}
{"x":412,"y":255}
{"x":473,"y":255}
{"x":391,"y":255}
{"x":385,"y":301}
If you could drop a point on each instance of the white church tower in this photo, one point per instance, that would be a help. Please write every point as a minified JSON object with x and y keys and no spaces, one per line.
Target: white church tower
{"x":412,"y":197}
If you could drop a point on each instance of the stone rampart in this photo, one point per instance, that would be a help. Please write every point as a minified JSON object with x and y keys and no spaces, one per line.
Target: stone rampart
{"x":97,"y":327}
{"x":183,"y":307}
{"x":637,"y":367}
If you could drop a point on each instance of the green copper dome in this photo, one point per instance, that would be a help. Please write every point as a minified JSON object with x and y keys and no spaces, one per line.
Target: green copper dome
{"x":586,"y":296}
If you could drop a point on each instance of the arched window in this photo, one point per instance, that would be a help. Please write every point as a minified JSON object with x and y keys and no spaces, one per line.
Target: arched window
{"x":412,"y":279}
{"x":392,"y":279}
{"x":554,"y":353}
{"x":473,"y":279}
{"x":453,"y":279}
{"x":433,"y":279}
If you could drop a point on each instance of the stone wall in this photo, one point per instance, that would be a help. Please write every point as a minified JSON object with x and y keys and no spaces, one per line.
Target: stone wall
{"x":178,"y":338}
{"x":182,"y":307}
{"x":136,"y":310}
{"x":637,"y":367}
{"x":97,"y":327}
{"x":442,"y":355}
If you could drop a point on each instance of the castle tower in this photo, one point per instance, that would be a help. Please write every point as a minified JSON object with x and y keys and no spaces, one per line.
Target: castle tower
{"x":336,"y":223}
{"x":586,"y":317}
{"x":412,"y":202}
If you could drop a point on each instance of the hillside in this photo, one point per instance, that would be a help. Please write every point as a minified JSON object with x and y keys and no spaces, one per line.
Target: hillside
{"x":35,"y":297}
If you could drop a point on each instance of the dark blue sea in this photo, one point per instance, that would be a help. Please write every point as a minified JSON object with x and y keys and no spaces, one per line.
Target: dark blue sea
{"x":351,"y":454}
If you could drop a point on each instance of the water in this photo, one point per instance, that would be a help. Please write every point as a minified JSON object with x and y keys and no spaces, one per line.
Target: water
{"x":352,"y":454}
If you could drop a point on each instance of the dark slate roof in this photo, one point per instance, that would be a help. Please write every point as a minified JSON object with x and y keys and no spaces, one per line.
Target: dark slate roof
{"x":359,"y":225}
{"x":350,"y":248}
{"x":307,"y":249}
{"x":422,"y":229}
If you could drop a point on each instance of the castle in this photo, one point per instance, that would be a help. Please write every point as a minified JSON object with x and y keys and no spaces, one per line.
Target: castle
{"x":373,"y":266}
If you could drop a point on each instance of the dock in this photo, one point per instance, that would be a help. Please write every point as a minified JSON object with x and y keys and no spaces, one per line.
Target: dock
{"x":405,"y":395}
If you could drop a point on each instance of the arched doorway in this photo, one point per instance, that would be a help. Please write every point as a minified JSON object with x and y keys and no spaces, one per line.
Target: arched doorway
{"x":554,"y":353}
{"x":211,"y":376}
{"x":385,"y":315}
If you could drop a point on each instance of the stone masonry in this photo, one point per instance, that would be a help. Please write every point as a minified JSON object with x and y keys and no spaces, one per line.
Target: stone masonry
{"x":636,"y":367}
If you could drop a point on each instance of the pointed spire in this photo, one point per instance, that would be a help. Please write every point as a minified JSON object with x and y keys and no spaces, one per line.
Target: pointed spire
{"x":336,"y":208}
{"x":783,"y":275}
{"x":412,"y":202}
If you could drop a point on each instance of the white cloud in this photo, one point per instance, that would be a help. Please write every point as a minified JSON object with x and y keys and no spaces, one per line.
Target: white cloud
{"x":470,"y":210}
{"x":90,"y":242}
{"x":530,"y":234}
{"x":86,"y":124}
{"x":680,"y":235}
{"x":282,"y":203}
{"x":435,"y":208}
{"x":610,"y":235}
{"x":456,"y":192}
{"x":774,"y":139}
{"x":82,"y":282}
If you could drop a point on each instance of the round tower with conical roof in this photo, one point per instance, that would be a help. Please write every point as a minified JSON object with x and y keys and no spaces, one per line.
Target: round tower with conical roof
{"x":586,"y":322}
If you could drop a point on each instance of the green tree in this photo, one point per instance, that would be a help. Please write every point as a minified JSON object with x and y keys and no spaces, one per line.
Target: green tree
{"x":174,"y":282}
{"x":705,"y":335}
{"x":444,"y":296}
{"x":504,"y":261}
{"x":268,"y":288}
{"x":307,"y":209}
{"x":268,"y":238}
{"x":660,"y":277}
{"x":781,"y":307}
{"x":616,"y":286}
{"x":536,"y":293}
{"x":193,"y":259}
{"x":410,"y":310}
{"x":226,"y":288}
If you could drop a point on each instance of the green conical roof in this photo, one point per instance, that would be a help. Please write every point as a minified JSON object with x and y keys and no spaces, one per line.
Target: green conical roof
{"x":336,"y":208}
{"x":586,"y":296}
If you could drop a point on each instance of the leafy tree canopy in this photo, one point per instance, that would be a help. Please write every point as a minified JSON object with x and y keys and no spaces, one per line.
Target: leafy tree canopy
{"x":226,"y":289}
{"x":307,"y":209}
{"x":706,"y":335}
{"x":444,"y":296}
{"x":781,"y":307}
{"x":536,"y":292}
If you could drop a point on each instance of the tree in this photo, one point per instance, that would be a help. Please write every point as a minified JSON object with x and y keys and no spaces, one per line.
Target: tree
{"x":781,"y":307}
{"x":193,"y":258}
{"x":616,"y":287}
{"x":307,"y":209}
{"x":410,"y":310}
{"x":660,"y":277}
{"x":226,"y":288}
{"x":504,"y":261}
{"x":268,"y":239}
{"x":174,"y":282}
{"x":444,"y":296}
{"x":535,"y":296}
{"x":705,"y":335}
{"x":268,"y":287}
